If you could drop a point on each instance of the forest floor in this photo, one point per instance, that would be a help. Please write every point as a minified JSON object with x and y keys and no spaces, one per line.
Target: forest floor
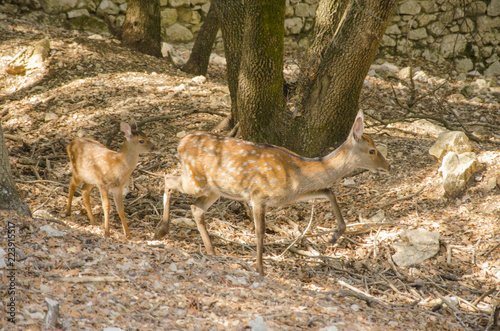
{"x":88,"y":84}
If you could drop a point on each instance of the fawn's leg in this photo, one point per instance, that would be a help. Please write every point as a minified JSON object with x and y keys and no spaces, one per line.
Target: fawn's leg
{"x":338,"y":215}
{"x":259,"y":218}
{"x":72,"y":188}
{"x":86,"y":200}
{"x":165,"y":223}
{"x":328,"y":194}
{"x":105,"y":207}
{"x":198,"y":208}
{"x":118,"y":197}
{"x":171,"y":182}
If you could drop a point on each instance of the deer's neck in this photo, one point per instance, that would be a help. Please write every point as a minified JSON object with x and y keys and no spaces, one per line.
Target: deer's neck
{"x":323,"y":172}
{"x":128,"y":156}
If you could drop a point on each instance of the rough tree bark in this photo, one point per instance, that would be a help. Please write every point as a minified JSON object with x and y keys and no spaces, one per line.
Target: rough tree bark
{"x":349,"y":35}
{"x":200,"y":54}
{"x":260,"y":84}
{"x":231,"y":19}
{"x":9,"y":197}
{"x":330,"y":104}
{"x":141,"y":29}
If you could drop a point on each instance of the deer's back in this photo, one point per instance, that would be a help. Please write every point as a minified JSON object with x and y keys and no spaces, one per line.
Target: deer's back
{"x":94,"y":163}
{"x":237,"y":169}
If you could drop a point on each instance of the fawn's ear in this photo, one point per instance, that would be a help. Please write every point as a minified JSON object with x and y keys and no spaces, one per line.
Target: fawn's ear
{"x":125,"y":128}
{"x":358,"y":126}
{"x":133,"y":124}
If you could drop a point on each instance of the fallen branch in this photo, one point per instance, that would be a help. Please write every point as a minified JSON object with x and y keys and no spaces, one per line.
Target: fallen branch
{"x":356,"y":293}
{"x":403,"y":198}
{"x":13,"y":137}
{"x":491,"y":250}
{"x":301,"y":235}
{"x":91,"y":279}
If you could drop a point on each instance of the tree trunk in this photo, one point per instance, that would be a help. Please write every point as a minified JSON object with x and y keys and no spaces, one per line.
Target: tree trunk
{"x":348,"y":36}
{"x":260,"y":88}
{"x":200,"y":54}
{"x":9,"y":198}
{"x":141,"y":29}
{"x":330,"y":103}
{"x":231,"y":19}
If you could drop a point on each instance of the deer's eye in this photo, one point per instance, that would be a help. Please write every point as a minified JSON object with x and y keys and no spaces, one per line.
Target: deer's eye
{"x":142,"y":141}
{"x":372,"y":152}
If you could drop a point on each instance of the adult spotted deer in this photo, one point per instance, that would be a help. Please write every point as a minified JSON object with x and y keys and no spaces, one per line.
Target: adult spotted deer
{"x":263,"y":175}
{"x":94,"y":164}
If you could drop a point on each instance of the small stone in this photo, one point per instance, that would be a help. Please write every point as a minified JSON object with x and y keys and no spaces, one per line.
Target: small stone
{"x":258,"y":324}
{"x":179,"y":88}
{"x":199,"y":80}
{"x":349,"y":182}
{"x":181,"y":134}
{"x":491,"y":184}
{"x":51,"y":232}
{"x":50,"y":117}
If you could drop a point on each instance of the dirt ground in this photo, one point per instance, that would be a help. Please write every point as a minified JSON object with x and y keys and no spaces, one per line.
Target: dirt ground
{"x":88,"y":84}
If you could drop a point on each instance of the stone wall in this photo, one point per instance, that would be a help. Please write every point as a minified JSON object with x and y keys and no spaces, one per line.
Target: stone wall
{"x":467,"y":31}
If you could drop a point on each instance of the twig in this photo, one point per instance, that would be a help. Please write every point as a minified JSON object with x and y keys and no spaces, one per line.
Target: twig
{"x":40,"y":181}
{"x":150,"y":173}
{"x":91,"y":279}
{"x":403,"y":198}
{"x":301,"y":235}
{"x":491,"y":250}
{"x":18,"y":55}
{"x":482,"y":296}
{"x":13,"y":137}
{"x":231,"y":241}
{"x":366,"y":227}
{"x":453,"y":308}
{"x":53,"y":220}
{"x":357,"y":293}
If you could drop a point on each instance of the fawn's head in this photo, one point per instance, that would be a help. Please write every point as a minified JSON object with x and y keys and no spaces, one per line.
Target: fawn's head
{"x":363,"y":150}
{"x":136,"y":138}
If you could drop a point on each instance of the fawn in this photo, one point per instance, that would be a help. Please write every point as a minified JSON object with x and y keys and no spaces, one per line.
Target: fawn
{"x":263,"y":175}
{"x":95,"y":164}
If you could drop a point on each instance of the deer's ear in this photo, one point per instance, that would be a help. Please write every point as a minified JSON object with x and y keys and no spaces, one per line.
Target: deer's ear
{"x":126,"y":129}
{"x":358,"y":126}
{"x":133,"y":124}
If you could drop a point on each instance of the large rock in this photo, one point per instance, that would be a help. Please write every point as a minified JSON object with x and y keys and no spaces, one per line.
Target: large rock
{"x":417,"y":34}
{"x":436,"y":29}
{"x":178,"y":33}
{"x":428,"y":6}
{"x":486,"y":23}
{"x":493,"y":8}
{"x":293,"y":25}
{"x":409,"y":8}
{"x":77,"y":13}
{"x":452,"y":45}
{"x":108,"y":7}
{"x":457,"y":170}
{"x":416,"y":246}
{"x":393,"y":29}
{"x":475,"y":8}
{"x":168,"y":16}
{"x":90,"y":24}
{"x":425,"y":19}
{"x":464,"y":65}
{"x":493,"y":69}
{"x":450,"y":141}
{"x":179,"y":3}
{"x":57,"y":6}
